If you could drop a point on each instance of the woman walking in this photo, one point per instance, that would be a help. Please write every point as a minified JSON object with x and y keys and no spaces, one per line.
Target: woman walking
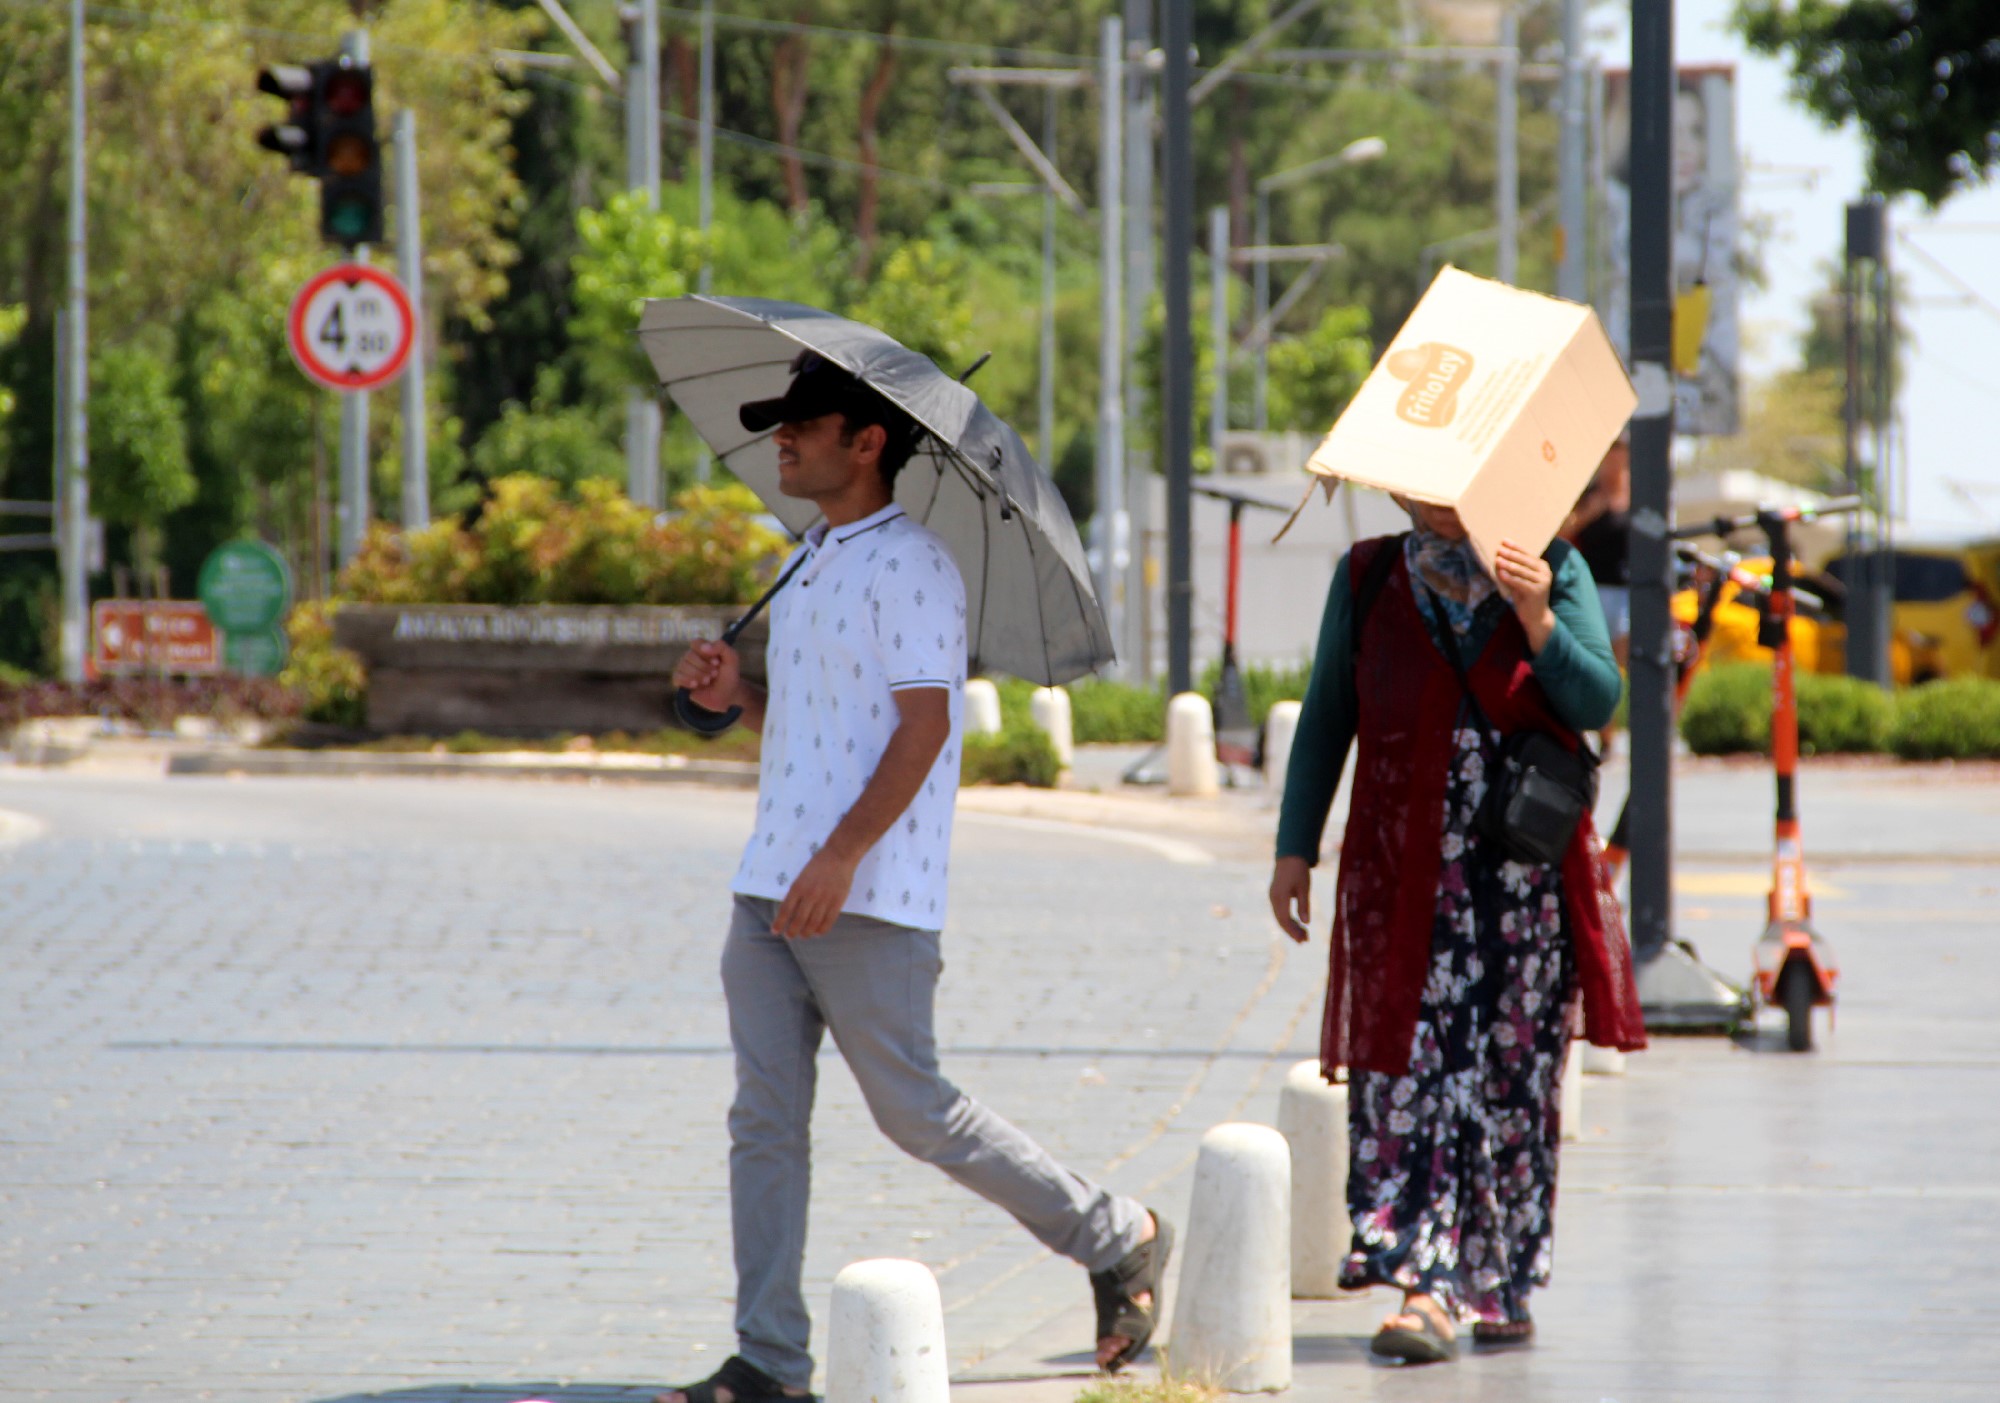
{"x":1458,"y":970}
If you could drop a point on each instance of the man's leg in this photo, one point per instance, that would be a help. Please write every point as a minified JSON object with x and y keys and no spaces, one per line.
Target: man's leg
{"x":874,"y":983}
{"x":775,"y":1026}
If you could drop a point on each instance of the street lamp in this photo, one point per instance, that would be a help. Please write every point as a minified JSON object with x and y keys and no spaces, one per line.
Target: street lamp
{"x":1355,"y":153}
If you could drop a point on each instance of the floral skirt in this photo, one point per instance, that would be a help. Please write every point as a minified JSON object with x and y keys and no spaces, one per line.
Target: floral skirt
{"x":1452,"y":1166}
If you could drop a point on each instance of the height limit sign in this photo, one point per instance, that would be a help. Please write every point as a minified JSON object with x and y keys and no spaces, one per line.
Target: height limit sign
{"x":351,"y":328}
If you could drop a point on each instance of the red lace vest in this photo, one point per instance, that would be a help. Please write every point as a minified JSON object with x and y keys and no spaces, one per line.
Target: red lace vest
{"x":1407,"y":700}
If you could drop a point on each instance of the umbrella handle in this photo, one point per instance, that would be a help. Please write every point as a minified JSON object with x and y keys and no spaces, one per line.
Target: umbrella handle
{"x":700,"y":719}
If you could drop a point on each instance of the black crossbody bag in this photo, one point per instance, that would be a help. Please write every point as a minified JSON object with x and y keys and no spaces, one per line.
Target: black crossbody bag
{"x":1539,"y":789}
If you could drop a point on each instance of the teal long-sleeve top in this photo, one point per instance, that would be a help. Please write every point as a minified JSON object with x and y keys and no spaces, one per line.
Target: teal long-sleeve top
{"x":1576,"y":668}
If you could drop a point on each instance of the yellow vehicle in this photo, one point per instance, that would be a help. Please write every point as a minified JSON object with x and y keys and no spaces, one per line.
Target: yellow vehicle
{"x":1947,"y":617}
{"x":1947,"y":613}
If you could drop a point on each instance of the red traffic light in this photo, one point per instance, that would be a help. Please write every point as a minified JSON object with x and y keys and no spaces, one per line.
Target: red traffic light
{"x":347,"y":91}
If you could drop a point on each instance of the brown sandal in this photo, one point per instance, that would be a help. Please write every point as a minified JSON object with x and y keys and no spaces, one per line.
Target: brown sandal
{"x":1143,"y":1271}
{"x":1503,"y":1334}
{"x":1426,"y":1345}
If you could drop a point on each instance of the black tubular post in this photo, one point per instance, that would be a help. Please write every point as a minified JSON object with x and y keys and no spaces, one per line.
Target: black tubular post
{"x":1652,"y":557}
{"x":1177,"y":374}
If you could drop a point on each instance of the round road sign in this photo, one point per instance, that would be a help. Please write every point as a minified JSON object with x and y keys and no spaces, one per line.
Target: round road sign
{"x":245,"y":586}
{"x":351,"y":327}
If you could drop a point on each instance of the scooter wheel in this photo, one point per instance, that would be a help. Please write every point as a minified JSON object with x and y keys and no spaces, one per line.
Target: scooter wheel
{"x":1795,"y":993}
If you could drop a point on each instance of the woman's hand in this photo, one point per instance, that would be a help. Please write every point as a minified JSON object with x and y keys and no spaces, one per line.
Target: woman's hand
{"x":1526,"y":581}
{"x":1291,"y":890}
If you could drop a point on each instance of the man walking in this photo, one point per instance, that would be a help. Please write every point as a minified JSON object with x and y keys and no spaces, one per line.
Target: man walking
{"x":840,"y":896}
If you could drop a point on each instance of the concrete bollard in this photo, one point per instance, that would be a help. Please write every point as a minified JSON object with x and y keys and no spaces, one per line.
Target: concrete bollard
{"x":1572,"y":1091}
{"x":1191,"y":769}
{"x":1049,"y":709}
{"x":1233,"y":1314}
{"x":982,"y":708}
{"x":1312,"y":1116}
{"x":1281,"y":728}
{"x":885,"y":1335}
{"x":1603,"y":1061}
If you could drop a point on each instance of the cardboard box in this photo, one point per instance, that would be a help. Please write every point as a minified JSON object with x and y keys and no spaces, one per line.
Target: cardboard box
{"x":1495,"y":401}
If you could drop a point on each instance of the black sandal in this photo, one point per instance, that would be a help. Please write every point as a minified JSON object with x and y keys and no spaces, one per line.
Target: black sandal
{"x":1119,"y":1312}
{"x":744,"y":1380}
{"x":1427,"y":1345}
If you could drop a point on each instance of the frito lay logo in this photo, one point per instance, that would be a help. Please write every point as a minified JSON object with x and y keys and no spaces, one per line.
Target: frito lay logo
{"x":1436,"y":373}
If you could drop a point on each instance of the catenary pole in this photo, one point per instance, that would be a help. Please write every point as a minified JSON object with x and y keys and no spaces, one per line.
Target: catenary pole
{"x":642,"y":174}
{"x":705,"y":153}
{"x":1572,"y":274}
{"x":1507,"y":192}
{"x":1140,"y":285}
{"x":1177,"y":377}
{"x":74,"y":491}
{"x":1109,"y":529}
{"x":1218,"y":331}
{"x":1045,"y":398}
{"x":410,"y":260}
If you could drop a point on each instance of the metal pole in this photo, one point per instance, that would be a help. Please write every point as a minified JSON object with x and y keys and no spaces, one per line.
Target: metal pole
{"x":1218,"y":331}
{"x":642,"y":174}
{"x":74,"y":490}
{"x":1139,"y":289}
{"x":705,"y":280}
{"x":1177,"y":378}
{"x":1652,"y":663}
{"x":1507,"y":81}
{"x":1597,"y":233}
{"x":1260,"y":285}
{"x":1045,"y":399}
{"x":1573,"y":275}
{"x":354,"y":510}
{"x":410,"y":257}
{"x":1110,"y":526}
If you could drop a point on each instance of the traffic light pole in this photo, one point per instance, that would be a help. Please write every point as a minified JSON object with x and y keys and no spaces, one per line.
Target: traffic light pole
{"x":410,"y":261}
{"x":353,"y":462}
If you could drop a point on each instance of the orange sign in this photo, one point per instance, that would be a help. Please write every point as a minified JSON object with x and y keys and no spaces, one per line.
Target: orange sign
{"x":148,"y":635}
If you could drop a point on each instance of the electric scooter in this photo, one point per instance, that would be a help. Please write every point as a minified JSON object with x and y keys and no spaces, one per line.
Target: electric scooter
{"x":1795,"y":969}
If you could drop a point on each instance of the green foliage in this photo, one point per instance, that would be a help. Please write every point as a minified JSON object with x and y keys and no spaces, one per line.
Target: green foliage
{"x":1263,"y":686}
{"x":139,"y":470}
{"x":11,"y":676}
{"x":1103,"y":712}
{"x":628,"y":251}
{"x":1919,"y":77}
{"x":1951,"y":720}
{"x":919,"y":298}
{"x":532,"y":545}
{"x":1728,"y":711}
{"x":1020,"y":754}
{"x":1843,"y":715}
{"x":331,"y":681}
{"x":566,"y":444}
{"x":1313,"y":376}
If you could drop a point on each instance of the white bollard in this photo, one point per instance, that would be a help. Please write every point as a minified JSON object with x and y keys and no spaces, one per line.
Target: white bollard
{"x":1312,"y":1116}
{"x":1572,"y":1092}
{"x":885,"y":1335}
{"x":1233,"y":1316}
{"x":1191,"y":767}
{"x":982,"y":708}
{"x":1048,"y":708}
{"x":1281,"y":728}
{"x":1603,"y":1061}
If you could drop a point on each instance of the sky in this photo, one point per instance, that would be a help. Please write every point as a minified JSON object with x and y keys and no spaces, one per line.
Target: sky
{"x":1801,"y":176}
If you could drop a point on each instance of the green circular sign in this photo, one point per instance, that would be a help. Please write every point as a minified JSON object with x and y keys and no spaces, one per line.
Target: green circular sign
{"x":245,"y":587}
{"x":259,"y":654}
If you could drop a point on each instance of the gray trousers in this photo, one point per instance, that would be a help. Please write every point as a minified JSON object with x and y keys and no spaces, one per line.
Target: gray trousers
{"x":872,"y":984}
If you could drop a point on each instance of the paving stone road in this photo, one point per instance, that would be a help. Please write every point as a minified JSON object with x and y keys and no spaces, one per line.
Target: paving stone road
{"x":413,"y":1090}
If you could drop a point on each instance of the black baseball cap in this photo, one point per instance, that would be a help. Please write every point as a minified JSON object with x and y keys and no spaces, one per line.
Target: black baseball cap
{"x":820,"y":387}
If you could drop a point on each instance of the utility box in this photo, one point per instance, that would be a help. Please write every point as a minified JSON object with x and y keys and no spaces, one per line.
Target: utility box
{"x":1491,"y":400}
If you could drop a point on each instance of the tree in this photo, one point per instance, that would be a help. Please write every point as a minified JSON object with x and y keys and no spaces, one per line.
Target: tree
{"x":1921,"y":78}
{"x":139,"y":473}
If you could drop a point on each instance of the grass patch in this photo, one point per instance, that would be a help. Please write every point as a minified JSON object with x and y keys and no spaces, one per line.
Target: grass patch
{"x":1163,"y":1390}
{"x":737,"y":744}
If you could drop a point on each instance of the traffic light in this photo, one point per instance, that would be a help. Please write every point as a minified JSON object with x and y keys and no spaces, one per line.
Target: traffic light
{"x":297,"y":137}
{"x":349,"y":156}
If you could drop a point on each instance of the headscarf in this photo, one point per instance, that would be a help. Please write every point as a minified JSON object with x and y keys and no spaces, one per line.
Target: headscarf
{"x":1452,"y":572}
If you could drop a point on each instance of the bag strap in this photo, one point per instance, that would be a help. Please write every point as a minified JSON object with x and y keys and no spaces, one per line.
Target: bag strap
{"x":1452,"y":656}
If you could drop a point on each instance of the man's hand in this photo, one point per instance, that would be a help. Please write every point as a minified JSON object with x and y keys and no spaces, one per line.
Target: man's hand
{"x":1526,"y":581}
{"x":712,"y":673}
{"x":1291,"y":890}
{"x":817,"y":897}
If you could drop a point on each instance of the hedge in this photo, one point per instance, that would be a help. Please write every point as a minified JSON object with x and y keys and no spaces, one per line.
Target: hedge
{"x":1952,"y":720}
{"x":1728,"y":711}
{"x":1020,"y":754}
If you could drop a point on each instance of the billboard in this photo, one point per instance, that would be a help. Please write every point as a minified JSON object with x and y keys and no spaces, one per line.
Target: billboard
{"x":1707,"y":340}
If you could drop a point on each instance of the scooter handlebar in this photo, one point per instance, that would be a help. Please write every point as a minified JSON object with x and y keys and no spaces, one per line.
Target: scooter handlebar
{"x":1729,"y":525}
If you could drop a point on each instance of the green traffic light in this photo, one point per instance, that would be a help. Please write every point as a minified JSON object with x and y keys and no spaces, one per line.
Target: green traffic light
{"x":348,"y":221}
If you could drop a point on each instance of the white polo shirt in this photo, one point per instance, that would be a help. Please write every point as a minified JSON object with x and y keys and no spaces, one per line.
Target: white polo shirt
{"x":876,"y":608}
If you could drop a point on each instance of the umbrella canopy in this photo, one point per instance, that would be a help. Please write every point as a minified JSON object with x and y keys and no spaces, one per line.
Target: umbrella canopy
{"x":1030,"y":606}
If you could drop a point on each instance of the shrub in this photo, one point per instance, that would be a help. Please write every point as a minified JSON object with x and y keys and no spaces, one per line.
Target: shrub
{"x":533,"y":545}
{"x":1263,"y":686}
{"x":1728,"y":710}
{"x":11,"y":676}
{"x":331,"y":682}
{"x":1103,"y":711}
{"x":1842,"y":715}
{"x":1954,"y":720}
{"x":150,"y":702}
{"x":1018,"y":755}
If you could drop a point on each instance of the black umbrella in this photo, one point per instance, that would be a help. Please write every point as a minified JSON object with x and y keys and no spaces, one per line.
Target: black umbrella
{"x":1030,"y":606}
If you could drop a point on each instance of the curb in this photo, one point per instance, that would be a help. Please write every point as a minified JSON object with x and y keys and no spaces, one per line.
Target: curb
{"x":353,"y":764}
